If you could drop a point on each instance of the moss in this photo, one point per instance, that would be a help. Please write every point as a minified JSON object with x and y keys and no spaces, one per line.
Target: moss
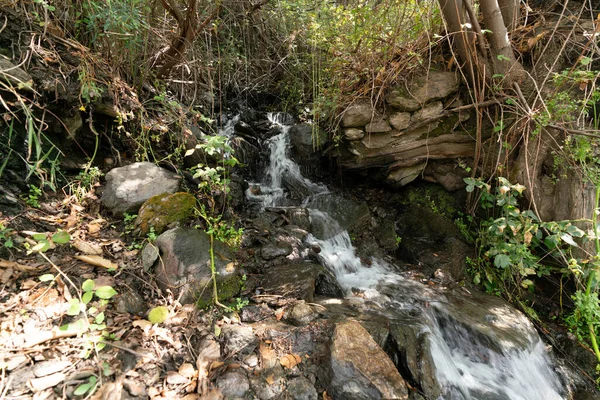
{"x":433,"y":197}
{"x":162,"y":210}
{"x":228,"y":286}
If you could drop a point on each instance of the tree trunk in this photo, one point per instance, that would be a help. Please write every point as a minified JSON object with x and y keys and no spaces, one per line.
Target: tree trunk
{"x":511,"y":13}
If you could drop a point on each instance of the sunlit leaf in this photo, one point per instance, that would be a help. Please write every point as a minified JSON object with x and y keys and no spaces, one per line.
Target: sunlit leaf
{"x":88,"y":285}
{"x":158,"y":315}
{"x":105,"y":292}
{"x":61,"y":237}
{"x":46,"y":277}
{"x":74,"y":308}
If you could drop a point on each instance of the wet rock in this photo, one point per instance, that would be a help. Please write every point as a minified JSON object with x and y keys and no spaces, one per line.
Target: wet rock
{"x":305,"y":139}
{"x":302,"y":314}
{"x":354,"y":133}
{"x":272,"y":251}
{"x":360,"y":368}
{"x":385,"y":232}
{"x":434,"y":86}
{"x":238,"y":339}
{"x":127,"y":188}
{"x":288,"y":282}
{"x":164,"y":210}
{"x":301,"y":389}
{"x":353,"y":216}
{"x":184,"y":266}
{"x":357,"y":115}
{"x":256,"y":313}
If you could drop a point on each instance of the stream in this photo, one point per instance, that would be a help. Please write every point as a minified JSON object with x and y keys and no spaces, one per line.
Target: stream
{"x":477,"y":346}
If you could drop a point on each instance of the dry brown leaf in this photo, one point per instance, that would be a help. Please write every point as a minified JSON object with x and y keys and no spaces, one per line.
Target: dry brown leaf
{"x":16,"y":266}
{"x":326,"y":396}
{"x":270,"y":379}
{"x":97,"y":261}
{"x":86,"y":247}
{"x":94,"y":227}
{"x":279,"y":314}
{"x":5,"y":275}
{"x":187,"y":370}
{"x":143,"y":324}
{"x":290,"y":361}
{"x":215,"y":365}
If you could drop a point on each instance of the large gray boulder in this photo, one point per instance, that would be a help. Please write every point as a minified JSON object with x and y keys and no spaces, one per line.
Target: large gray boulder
{"x":357,"y":115}
{"x":433,"y":86}
{"x":180,"y":260}
{"x":360,"y":368}
{"x":127,"y":188}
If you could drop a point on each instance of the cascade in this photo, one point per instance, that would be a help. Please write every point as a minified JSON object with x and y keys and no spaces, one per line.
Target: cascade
{"x":465,"y":365}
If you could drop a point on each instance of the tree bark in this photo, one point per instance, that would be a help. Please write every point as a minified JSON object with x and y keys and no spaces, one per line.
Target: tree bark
{"x":511,"y":13}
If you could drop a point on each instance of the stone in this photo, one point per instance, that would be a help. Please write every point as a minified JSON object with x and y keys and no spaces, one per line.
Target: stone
{"x":14,"y":76}
{"x":288,"y":282}
{"x":360,"y":369}
{"x":428,"y":111}
{"x":163,"y":210}
{"x":301,"y":314}
{"x":127,"y":188}
{"x":256,"y":313}
{"x":354,"y":134}
{"x":233,"y":384}
{"x":306,"y":139}
{"x":184,"y":266}
{"x":433,"y":86}
{"x":238,"y":339}
{"x":301,"y":388}
{"x":272,"y":251}
{"x":400,"y":120}
{"x":357,"y":115}
{"x":130,"y":301}
{"x":378,"y":126}
{"x":270,"y":384}
{"x":399,"y":177}
{"x":351,"y":215}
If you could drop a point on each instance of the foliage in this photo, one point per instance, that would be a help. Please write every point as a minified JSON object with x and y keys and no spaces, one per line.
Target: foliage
{"x":5,"y":236}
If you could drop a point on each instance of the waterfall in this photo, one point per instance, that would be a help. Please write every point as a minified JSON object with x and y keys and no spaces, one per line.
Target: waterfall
{"x":465,"y":367}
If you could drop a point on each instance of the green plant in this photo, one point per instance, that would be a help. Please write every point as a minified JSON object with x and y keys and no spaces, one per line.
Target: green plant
{"x":129,"y":223}
{"x":87,"y":388}
{"x":33,"y":197}
{"x":5,"y":236}
{"x":85,"y":181}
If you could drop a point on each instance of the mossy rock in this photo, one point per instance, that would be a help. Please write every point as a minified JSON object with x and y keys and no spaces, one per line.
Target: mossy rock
{"x":228,"y":286}
{"x":163,"y":210}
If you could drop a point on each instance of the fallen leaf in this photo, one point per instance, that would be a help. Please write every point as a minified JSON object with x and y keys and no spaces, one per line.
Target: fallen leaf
{"x":158,"y":315}
{"x":97,"y":261}
{"x":187,"y":370}
{"x":215,"y":365}
{"x":143,"y":324}
{"x":290,"y":361}
{"x":270,"y":379}
{"x":86,"y":247}
{"x":94,"y":227}
{"x":16,"y":266}
{"x":279,"y":314}
{"x":326,"y":396}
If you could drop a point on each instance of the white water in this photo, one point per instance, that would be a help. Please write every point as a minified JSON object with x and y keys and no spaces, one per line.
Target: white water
{"x":466,"y":369}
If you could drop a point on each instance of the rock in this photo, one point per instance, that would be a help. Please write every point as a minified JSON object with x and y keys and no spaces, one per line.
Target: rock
{"x":127,"y":188}
{"x":357,"y":115}
{"x":449,"y":174}
{"x":360,"y":368}
{"x":301,"y":314}
{"x":184,"y":266}
{"x":385,"y":232}
{"x":434,"y":86}
{"x":163,"y":210}
{"x":270,"y":384}
{"x":256,"y":313}
{"x":14,"y":76}
{"x":289,"y":282}
{"x":272,"y":251}
{"x":353,"y":216}
{"x":354,"y":133}
{"x":134,"y":388}
{"x":378,"y":126}
{"x":238,"y":339}
{"x":305,"y":139}
{"x":301,"y":388}
{"x":49,"y":367}
{"x":233,"y":384}
{"x":400,"y":120}
{"x":130,"y":301}
{"x":428,"y":111}
{"x":399,"y":177}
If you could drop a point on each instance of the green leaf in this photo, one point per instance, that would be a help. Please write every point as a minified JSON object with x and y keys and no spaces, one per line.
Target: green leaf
{"x":502,"y":261}
{"x":87,"y":297}
{"x":46,"y":277}
{"x":526,"y":283}
{"x":105,"y":292}
{"x":61,"y":237}
{"x":88,"y":285}
{"x":42,"y":246}
{"x":568,"y":239}
{"x":502,"y":57}
{"x":82,"y":389}
{"x":39,"y":236}
{"x":99,"y":318}
{"x":585,"y":60}
{"x":75,"y":307}
{"x":477,"y":279}
{"x":158,"y":315}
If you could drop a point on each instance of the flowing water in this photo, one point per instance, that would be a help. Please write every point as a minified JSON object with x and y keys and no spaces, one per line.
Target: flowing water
{"x":465,"y":365}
